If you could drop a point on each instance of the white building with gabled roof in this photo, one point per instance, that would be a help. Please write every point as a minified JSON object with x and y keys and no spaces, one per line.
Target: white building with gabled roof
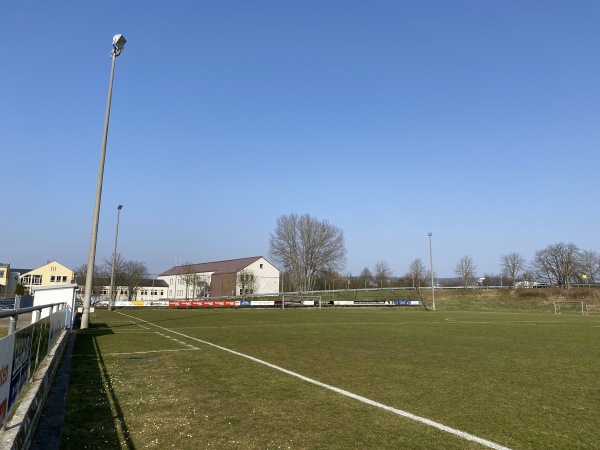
{"x":234,"y":277}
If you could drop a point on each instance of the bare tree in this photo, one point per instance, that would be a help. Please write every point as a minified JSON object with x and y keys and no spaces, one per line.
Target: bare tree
{"x":366,"y":276}
{"x":590,"y":265}
{"x":382,"y":271}
{"x":327,"y":278}
{"x":118,"y":280}
{"x":200,"y":285}
{"x":188,"y":277}
{"x":99,"y":279}
{"x":491,"y":279}
{"x":247,"y":281}
{"x":465,"y":269}
{"x":511,"y":264}
{"x":557,"y":263}
{"x":304,"y":245}
{"x":134,"y":274}
{"x":417,"y":272}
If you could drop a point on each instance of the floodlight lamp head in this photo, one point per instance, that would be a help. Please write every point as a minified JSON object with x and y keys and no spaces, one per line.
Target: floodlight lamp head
{"x":120,"y":207}
{"x":118,"y":44}
{"x":429,"y":234}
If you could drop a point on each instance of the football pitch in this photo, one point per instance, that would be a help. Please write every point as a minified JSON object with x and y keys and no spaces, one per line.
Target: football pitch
{"x":334,"y":379}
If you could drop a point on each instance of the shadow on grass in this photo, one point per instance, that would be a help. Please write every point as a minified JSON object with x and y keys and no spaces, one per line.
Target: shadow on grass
{"x":94,"y":418}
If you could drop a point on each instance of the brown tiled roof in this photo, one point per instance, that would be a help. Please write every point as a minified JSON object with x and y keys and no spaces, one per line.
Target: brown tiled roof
{"x":229,"y":266}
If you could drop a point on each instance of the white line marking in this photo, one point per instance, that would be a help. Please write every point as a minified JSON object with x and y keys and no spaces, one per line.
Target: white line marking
{"x":423,"y":420}
{"x":154,"y":351}
{"x":81,"y":355}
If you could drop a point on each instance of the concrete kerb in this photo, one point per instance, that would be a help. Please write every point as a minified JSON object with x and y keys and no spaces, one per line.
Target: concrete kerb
{"x":21,"y":428}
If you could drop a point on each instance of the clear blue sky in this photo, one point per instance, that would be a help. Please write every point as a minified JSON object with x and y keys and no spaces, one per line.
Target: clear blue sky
{"x":475,"y":120}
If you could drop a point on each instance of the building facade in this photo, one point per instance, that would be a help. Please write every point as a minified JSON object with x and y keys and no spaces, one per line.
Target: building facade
{"x":230,"y":278}
{"x":50,"y":274}
{"x":4,"y":278}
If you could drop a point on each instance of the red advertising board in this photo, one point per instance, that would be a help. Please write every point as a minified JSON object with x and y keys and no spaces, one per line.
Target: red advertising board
{"x":202,"y":303}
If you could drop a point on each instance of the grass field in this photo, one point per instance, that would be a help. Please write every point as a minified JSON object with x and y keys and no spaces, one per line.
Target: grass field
{"x":156,"y":379}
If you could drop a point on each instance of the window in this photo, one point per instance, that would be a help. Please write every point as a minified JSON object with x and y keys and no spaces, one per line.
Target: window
{"x":29,"y":280}
{"x":153,"y":292}
{"x":144,"y":292}
{"x":58,"y":279}
{"x":261,"y":266}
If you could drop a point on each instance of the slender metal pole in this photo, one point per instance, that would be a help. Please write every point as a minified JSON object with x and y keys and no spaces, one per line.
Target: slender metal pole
{"x":112,"y":272}
{"x":87,"y":298}
{"x":431,"y":265}
{"x":12,"y":324}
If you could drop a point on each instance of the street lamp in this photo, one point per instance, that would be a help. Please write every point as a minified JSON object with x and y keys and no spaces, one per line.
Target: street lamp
{"x":112,"y":272}
{"x":118,"y":46}
{"x":431,"y":266}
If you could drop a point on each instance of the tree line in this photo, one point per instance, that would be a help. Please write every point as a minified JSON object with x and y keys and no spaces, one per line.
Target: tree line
{"x":129,"y":275}
{"x":312,"y":254}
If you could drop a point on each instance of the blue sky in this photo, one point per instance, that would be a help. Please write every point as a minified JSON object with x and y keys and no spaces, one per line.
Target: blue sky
{"x":475,"y":120}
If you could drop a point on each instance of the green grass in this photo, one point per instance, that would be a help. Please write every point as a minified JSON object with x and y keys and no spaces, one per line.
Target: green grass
{"x":520,"y":379}
{"x":541,"y":300}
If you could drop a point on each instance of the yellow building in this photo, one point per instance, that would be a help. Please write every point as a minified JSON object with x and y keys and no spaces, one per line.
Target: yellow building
{"x":50,"y":274}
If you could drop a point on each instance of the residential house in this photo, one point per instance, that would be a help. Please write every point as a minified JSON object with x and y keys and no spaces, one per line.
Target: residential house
{"x":50,"y":274}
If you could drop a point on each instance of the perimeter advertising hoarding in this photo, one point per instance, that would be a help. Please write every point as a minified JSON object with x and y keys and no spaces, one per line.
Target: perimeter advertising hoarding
{"x":203,"y":303}
{"x":150,"y":303}
{"x":20,"y":355}
{"x":142,"y":303}
{"x":157,"y":303}
{"x":20,"y":363}
{"x":256,"y":303}
{"x":382,"y":303}
{"x":7,"y":345}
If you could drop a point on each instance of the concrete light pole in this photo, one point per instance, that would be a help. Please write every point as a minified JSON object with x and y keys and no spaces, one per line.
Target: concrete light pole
{"x":431,"y":265}
{"x":118,"y":47}
{"x":112,"y":272}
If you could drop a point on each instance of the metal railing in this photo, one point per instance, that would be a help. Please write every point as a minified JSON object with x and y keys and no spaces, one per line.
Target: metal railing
{"x":13,"y":314}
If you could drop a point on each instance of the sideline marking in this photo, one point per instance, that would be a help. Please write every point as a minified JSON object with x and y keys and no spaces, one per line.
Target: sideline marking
{"x":82,"y":355}
{"x":423,"y":420}
{"x":154,"y":351}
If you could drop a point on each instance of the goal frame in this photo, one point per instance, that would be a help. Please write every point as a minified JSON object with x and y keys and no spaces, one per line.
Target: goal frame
{"x":558,"y":310}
